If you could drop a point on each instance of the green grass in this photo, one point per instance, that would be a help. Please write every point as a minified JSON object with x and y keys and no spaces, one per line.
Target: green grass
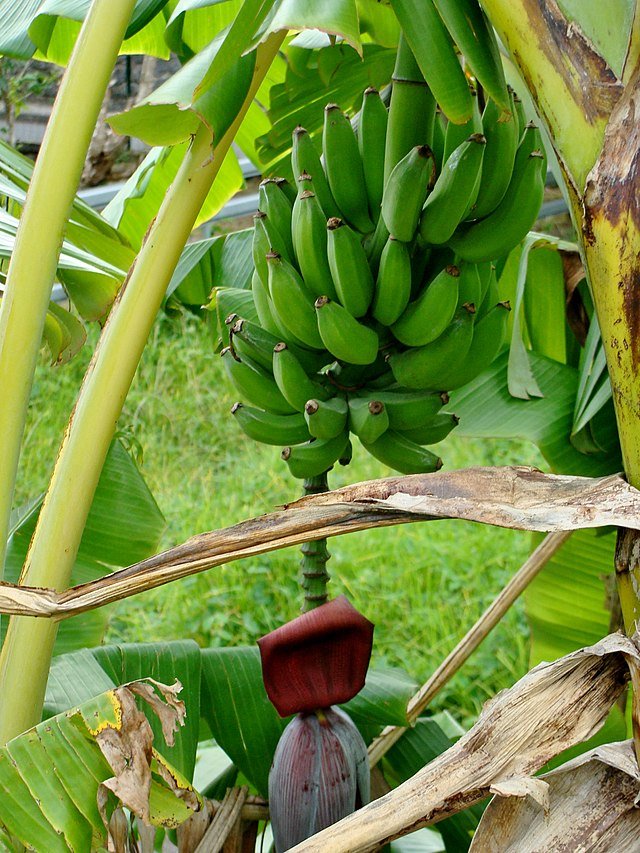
{"x":423,"y":584}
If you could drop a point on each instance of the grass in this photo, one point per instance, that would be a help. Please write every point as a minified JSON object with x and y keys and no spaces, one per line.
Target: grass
{"x":423,"y":585}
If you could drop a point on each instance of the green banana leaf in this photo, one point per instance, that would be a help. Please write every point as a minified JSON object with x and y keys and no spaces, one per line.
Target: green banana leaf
{"x":92,"y":265}
{"x":207,"y":89}
{"x":232,"y":699}
{"x":417,"y":747}
{"x":337,"y":17}
{"x":133,"y":208}
{"x":78,"y":676}
{"x":223,"y":261}
{"x":192,"y":24}
{"x":487,"y":410}
{"x":51,"y":27}
{"x":333,"y":74}
{"x":124,"y":526}
{"x":51,"y":776}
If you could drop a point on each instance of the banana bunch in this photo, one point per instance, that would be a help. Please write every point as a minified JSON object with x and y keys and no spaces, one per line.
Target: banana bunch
{"x":375,"y":276}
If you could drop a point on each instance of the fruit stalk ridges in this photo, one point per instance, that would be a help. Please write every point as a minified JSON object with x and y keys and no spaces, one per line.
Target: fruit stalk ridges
{"x":314,"y":576}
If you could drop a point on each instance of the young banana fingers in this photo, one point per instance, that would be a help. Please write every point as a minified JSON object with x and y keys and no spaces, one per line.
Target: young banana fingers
{"x":403,"y":455}
{"x":344,"y":169}
{"x":344,"y":337}
{"x":269,"y":428}
{"x":316,"y":456}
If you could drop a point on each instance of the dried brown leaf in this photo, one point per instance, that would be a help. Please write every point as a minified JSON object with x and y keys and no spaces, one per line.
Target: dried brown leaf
{"x":551,"y":708}
{"x":516,"y":497}
{"x":592,"y":808}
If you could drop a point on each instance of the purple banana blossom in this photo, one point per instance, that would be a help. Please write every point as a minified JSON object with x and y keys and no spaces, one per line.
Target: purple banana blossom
{"x":320,"y":774}
{"x":320,"y":770}
{"x":317,"y":660}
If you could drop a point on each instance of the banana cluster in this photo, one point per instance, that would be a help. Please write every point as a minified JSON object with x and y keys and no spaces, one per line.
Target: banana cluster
{"x":375,"y":284}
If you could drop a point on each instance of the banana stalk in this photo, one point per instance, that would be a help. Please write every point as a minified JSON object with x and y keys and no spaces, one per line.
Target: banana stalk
{"x":314,"y":576}
{"x":26,"y":653}
{"x":611,"y":227}
{"x":33,"y":265}
{"x":595,"y":129}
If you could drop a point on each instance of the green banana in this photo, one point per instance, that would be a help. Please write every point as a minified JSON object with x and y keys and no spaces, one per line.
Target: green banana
{"x":437,"y":140}
{"x":292,"y":380}
{"x":393,"y":284}
{"x":372,"y":135}
{"x":520,"y":114}
{"x":433,"y":367}
{"x":267,"y":236}
{"x":489,"y":335}
{"x":503,"y":229}
{"x":412,"y":109}
{"x":409,"y":409}
{"x":326,"y":418}
{"x":469,"y":285}
{"x":421,"y":261}
{"x":305,"y":182}
{"x":262,"y":301}
{"x":374,"y":243}
{"x":257,"y":343}
{"x":455,"y":134}
{"x":269,"y":428}
{"x":502,"y":133}
{"x":305,"y":159}
{"x":316,"y":456}
{"x":274,"y":202}
{"x":289,"y":189}
{"x":344,"y":169}
{"x":368,"y":419}
{"x":254,"y":383}
{"x":436,"y":56}
{"x":405,"y":192}
{"x":475,"y":38}
{"x":309,"y":230}
{"x":292,"y":302}
{"x":489,"y":290}
{"x":449,"y":200}
{"x":434,"y":430}
{"x":350,"y":270}
{"x":403,"y":455}
{"x":344,"y":337}
{"x":426,"y":318}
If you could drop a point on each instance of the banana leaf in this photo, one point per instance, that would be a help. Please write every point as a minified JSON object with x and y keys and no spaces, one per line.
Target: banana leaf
{"x":487,"y":410}
{"x":124,"y":525}
{"x":80,"y":675}
{"x":232,"y":700}
{"x":51,"y":27}
{"x":334,"y":74}
{"x":133,"y":208}
{"x":61,"y":780}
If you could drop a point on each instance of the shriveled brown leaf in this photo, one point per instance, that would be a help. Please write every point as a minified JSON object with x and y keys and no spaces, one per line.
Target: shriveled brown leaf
{"x":553,"y":707}
{"x":516,"y":497}
{"x":128,"y":749}
{"x":592,"y":807}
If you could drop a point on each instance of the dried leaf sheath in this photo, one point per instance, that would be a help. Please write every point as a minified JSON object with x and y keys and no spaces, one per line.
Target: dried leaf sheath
{"x":520,"y":498}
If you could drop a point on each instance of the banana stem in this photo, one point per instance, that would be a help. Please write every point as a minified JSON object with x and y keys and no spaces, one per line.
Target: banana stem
{"x":35,"y":256}
{"x":314,"y":576}
{"x":26,"y":654}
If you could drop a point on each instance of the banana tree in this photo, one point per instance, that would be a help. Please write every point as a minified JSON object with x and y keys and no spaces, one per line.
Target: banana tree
{"x":202,"y":108}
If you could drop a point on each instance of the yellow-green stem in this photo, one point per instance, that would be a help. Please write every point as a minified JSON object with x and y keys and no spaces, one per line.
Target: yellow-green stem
{"x":26,"y":654}
{"x":53,"y":185}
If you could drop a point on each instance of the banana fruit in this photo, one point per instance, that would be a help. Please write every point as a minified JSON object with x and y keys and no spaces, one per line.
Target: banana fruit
{"x":374,"y":282}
